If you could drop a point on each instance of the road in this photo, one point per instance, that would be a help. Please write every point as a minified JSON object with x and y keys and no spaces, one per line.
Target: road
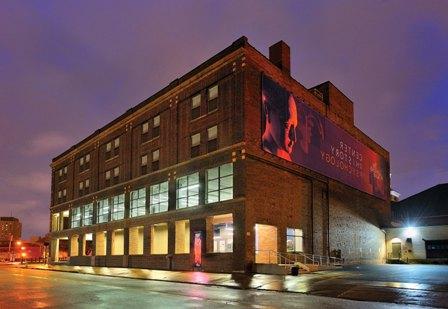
{"x":28,"y":288}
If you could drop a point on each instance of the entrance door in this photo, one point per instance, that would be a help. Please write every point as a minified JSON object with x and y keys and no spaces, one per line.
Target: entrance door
{"x":265,"y":244}
{"x":396,"y":250}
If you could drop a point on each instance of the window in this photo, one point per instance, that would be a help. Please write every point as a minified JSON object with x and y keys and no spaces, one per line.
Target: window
{"x":195,"y":145}
{"x":138,"y":202}
{"x":144,"y":165}
{"x":55,"y":222}
{"x":107,"y":177}
{"x":145,"y":127}
{"x":87,"y":216}
{"x":116,"y":174}
{"x":59,"y":194}
{"x":222,"y":233}
{"x":212,"y":98}
{"x":101,"y":243}
{"x":76,"y":217}
{"x":88,"y":244}
{"x":110,"y":153}
{"x":187,"y":193}
{"x":84,"y":163}
{"x":84,"y":187}
{"x":117,"y":242}
{"x":65,"y":220}
{"x":220,"y":183}
{"x":196,"y":106}
{"x":87,"y":186}
{"x":64,"y":193}
{"x":158,"y":197}
{"x":212,"y":138}
{"x":103,"y":211}
{"x":62,"y":174}
{"x":155,"y":160}
{"x":159,"y":238}
{"x":74,"y":245}
{"x":136,"y":240}
{"x":81,"y":188}
{"x":117,"y":207}
{"x":294,"y":240}
{"x":182,"y":237}
{"x":156,"y":126}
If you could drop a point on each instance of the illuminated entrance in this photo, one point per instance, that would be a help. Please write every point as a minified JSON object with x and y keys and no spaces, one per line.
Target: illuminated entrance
{"x":265,"y":244}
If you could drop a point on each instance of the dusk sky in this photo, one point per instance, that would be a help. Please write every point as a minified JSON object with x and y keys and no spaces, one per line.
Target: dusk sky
{"x":69,"y":67}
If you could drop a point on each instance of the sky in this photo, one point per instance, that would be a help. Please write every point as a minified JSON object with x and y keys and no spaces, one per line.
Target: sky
{"x":69,"y":67}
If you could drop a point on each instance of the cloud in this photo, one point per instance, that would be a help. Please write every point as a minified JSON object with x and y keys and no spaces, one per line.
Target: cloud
{"x":36,"y":181}
{"x":47,"y":143}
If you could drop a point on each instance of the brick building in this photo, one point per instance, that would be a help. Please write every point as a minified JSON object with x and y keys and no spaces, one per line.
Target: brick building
{"x":10,"y":226}
{"x":181,"y":181}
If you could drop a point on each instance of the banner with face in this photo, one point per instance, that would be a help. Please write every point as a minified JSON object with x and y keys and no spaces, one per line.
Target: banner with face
{"x":295,"y":132}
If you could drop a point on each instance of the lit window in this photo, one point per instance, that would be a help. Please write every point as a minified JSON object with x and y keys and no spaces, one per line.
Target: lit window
{"x":107,"y":175}
{"x":103,"y":211}
{"x":109,"y":146}
{"x":155,"y":155}
{"x":156,"y":122}
{"x":220,"y":183}
{"x":87,"y":216}
{"x":222,"y":233}
{"x":212,"y":141}
{"x":117,"y":142}
{"x":212,"y":133}
{"x":81,"y":161}
{"x":294,"y":240}
{"x":60,"y":172}
{"x":187,"y":193}
{"x":213,"y":92}
{"x":76,"y":217}
{"x":88,"y":244}
{"x":158,"y":197}
{"x":144,"y":160}
{"x":87,"y":183}
{"x":64,"y":192}
{"x":101,"y":243}
{"x":74,"y":245}
{"x":117,"y":242}
{"x":65,"y":170}
{"x":138,"y":202}
{"x":145,"y":128}
{"x":55,"y":223}
{"x":59,"y":194}
{"x":182,"y":235}
{"x":87,"y":158}
{"x":159,"y":238}
{"x":81,"y":185}
{"x":118,"y":207}
{"x":116,"y":171}
{"x":136,"y":240}
{"x":196,"y":106}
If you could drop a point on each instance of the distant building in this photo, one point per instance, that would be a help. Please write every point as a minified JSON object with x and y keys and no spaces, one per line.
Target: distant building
{"x":420,"y":227}
{"x":10,"y":226}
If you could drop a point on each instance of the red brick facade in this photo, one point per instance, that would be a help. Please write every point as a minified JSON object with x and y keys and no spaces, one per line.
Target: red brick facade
{"x":266,"y":189}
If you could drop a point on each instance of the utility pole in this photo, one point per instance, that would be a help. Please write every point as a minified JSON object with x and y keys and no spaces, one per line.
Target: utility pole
{"x":9,"y":249}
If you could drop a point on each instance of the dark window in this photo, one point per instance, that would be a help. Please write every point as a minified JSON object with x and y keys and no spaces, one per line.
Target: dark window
{"x":437,"y":249}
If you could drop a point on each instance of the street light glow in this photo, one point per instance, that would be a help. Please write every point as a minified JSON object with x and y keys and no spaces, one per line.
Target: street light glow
{"x":410,"y":232}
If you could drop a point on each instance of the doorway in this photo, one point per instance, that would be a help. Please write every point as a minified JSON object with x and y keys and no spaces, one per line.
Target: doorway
{"x":396,"y":250}
{"x":265,"y":244}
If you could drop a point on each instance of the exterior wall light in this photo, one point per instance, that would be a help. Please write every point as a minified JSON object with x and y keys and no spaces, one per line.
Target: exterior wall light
{"x":410,"y":232}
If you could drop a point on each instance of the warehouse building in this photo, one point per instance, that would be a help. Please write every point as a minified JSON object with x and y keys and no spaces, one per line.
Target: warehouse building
{"x":228,"y":167}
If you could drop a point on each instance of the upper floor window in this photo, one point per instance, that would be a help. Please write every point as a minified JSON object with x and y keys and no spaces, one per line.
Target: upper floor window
{"x":158,"y":197}
{"x":87,"y":216}
{"x":155,"y":160}
{"x":84,"y":187}
{"x":151,"y":129}
{"x":138,"y":202}
{"x":62,"y":195}
{"x":116,"y":174}
{"x":196,"y":106}
{"x":113,"y":148}
{"x":212,"y":98}
{"x":55,"y":222}
{"x":220,"y":183}
{"x":212,"y":138}
{"x":144,"y":165}
{"x":195,"y":145}
{"x":112,"y":176}
{"x":117,"y":207}
{"x":76,"y":217}
{"x":103,"y":211}
{"x":84,"y":163}
{"x":187,"y":191}
{"x":62,"y":173}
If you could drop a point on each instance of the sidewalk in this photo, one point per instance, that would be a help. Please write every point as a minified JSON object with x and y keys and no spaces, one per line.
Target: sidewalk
{"x":278,"y":283}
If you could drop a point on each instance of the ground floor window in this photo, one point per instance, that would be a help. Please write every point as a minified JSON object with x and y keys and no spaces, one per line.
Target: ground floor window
{"x":88,"y":244}
{"x":118,"y":242}
{"x":136,"y":240}
{"x":76,"y":217}
{"x":159,"y":238}
{"x":117,"y":212}
{"x":222,"y":233}
{"x":182,"y":236}
{"x":74,"y":245}
{"x":294,"y":240}
{"x":101,"y":243}
{"x":436,"y":249}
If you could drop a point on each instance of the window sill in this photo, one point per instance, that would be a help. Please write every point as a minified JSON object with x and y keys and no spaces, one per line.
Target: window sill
{"x":149,"y":141}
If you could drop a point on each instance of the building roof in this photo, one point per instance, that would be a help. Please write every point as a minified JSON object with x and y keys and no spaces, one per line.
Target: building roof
{"x":8,"y":219}
{"x":429,"y":207}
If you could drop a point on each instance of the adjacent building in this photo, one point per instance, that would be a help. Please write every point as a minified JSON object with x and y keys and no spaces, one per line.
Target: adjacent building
{"x":420,"y":227}
{"x":10,"y":227}
{"x":227,"y":166}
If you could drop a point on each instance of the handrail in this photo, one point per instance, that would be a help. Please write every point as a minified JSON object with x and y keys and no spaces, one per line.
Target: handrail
{"x":300,"y":258}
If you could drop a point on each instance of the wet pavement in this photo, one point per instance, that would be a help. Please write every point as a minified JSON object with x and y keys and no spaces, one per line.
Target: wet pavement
{"x":31,"y":288}
{"x":424,"y":285}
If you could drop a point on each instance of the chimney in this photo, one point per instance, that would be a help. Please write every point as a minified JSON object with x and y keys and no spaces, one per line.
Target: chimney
{"x":279,"y":56}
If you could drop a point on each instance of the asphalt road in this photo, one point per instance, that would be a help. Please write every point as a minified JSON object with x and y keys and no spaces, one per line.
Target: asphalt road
{"x":28,"y":288}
